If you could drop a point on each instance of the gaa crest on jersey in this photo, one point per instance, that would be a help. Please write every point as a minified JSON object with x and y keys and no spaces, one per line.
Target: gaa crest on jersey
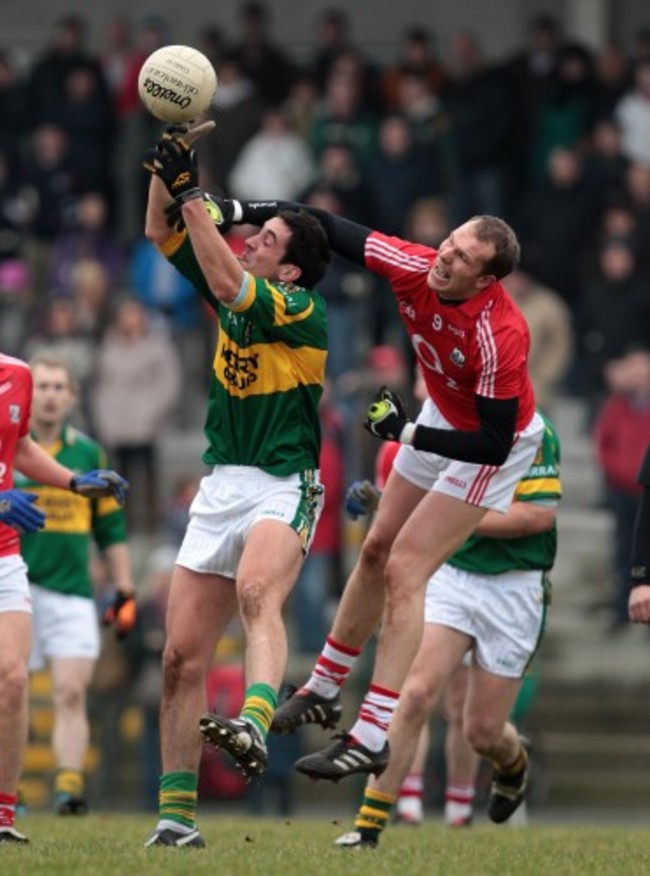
{"x":14,"y":413}
{"x":457,"y":357}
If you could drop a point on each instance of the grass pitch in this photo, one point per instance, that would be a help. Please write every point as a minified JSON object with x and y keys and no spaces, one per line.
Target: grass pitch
{"x":111,"y":845}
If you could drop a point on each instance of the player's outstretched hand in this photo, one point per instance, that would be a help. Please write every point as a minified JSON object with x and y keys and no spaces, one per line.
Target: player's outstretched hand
{"x":361,"y":498}
{"x":98,"y":483}
{"x":17,"y":510}
{"x":174,"y":161}
{"x":386,"y":417}
{"x":122,"y":613}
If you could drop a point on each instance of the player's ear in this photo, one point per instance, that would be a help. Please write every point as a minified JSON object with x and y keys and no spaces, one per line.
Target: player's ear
{"x":288,"y":273}
{"x":485,"y":280}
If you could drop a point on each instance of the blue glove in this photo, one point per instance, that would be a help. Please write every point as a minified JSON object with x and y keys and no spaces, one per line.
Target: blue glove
{"x":18,"y":511}
{"x":361,"y":498}
{"x":98,"y":483}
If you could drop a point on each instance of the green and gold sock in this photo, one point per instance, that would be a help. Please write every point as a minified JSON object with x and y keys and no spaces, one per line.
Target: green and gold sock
{"x":260,"y":703}
{"x":177,"y":798}
{"x":374,"y":813}
{"x":69,"y":783}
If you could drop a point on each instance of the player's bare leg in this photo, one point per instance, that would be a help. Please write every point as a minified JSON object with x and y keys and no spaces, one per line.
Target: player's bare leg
{"x":199,"y":609}
{"x":15,"y":645}
{"x":461,"y":760}
{"x":267,"y":572}
{"x":440,"y":652}
{"x":358,"y":614}
{"x":70,"y":679}
{"x":490,"y":699}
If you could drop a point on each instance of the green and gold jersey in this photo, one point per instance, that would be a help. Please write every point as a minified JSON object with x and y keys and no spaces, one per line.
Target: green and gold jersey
{"x":58,"y":556}
{"x":541,"y":483}
{"x":268,"y":372}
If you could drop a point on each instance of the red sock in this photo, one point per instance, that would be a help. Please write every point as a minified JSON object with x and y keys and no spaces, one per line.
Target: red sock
{"x":7,"y":809}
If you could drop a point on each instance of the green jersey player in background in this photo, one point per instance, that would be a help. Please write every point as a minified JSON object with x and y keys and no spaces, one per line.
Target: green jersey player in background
{"x":66,"y":633}
{"x":489,"y":599}
{"x":253,"y":518}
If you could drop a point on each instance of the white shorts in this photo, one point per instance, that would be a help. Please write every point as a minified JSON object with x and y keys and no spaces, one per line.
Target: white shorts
{"x":14,"y":586}
{"x":231,"y":500}
{"x":504,"y":614}
{"x":64,"y":626}
{"x":488,"y":486}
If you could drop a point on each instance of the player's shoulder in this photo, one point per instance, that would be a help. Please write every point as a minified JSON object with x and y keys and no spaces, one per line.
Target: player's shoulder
{"x":11,"y":364}
{"x":399,"y":253}
{"x":82,"y":443}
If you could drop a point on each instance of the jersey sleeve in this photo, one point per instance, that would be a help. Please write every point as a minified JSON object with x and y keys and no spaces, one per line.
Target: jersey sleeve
{"x":542,"y":483}
{"x":401,"y":262}
{"x":293,"y":315}
{"x":26,"y":408}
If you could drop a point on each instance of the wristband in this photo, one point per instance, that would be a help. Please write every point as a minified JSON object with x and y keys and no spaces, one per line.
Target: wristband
{"x":407,"y":434}
{"x":189,"y":195}
{"x":237,"y":211}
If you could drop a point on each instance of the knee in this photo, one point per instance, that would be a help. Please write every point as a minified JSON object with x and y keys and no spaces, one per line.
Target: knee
{"x":253,"y":600}
{"x":375,"y":550}
{"x":180,"y":669}
{"x":416,"y":702}
{"x":481,"y":733}
{"x":70,"y":697}
{"x":13,"y":685}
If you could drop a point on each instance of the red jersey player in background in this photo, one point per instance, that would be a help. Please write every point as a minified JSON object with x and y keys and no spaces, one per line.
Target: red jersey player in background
{"x":480,"y":433}
{"x":18,"y":513}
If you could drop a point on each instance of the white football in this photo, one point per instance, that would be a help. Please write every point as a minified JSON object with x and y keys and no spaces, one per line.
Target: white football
{"x":177,"y":83}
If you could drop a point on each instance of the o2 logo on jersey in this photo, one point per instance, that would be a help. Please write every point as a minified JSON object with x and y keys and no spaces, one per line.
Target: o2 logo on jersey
{"x":429,"y":358}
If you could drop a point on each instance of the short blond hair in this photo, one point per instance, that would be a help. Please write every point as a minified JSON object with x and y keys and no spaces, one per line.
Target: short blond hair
{"x":51,"y":360}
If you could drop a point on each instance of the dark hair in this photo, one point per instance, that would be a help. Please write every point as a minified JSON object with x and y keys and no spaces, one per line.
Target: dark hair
{"x":308,"y":247}
{"x":491,"y":229}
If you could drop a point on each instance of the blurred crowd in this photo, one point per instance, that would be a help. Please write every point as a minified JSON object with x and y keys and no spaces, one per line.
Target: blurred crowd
{"x":554,"y":138}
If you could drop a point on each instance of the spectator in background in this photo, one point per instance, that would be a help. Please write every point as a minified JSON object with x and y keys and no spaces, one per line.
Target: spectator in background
{"x":347,"y":290}
{"x":428,"y":221}
{"x":87,"y":236}
{"x":262,"y":61}
{"x":13,"y":106}
{"x":552,"y":345}
{"x":416,"y":57}
{"x":136,"y":386}
{"x":614,"y":313}
{"x":176,"y":310}
{"x":613,"y":78}
{"x":65,"y":53}
{"x":300,"y":105}
{"x":531,"y":71}
{"x":477,"y":99}
{"x":274,"y":146}
{"x":339,"y":170}
{"x":567,"y":111}
{"x":605,"y":165}
{"x":397,"y":173}
{"x":332,"y":37}
{"x":620,"y":436}
{"x":341,"y":119}
{"x":632,"y":113}
{"x":60,"y":336}
{"x":238,"y":108}
{"x":555,"y":221}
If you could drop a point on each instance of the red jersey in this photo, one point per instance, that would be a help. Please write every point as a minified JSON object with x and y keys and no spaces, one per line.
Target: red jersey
{"x":475,"y":347}
{"x":15,"y":407}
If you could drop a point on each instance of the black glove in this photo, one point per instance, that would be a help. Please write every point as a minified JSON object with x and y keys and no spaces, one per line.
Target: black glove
{"x":98,"y":483}
{"x":221,"y":210}
{"x":175,"y":163}
{"x":386,"y":417}
{"x":122,"y":612}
